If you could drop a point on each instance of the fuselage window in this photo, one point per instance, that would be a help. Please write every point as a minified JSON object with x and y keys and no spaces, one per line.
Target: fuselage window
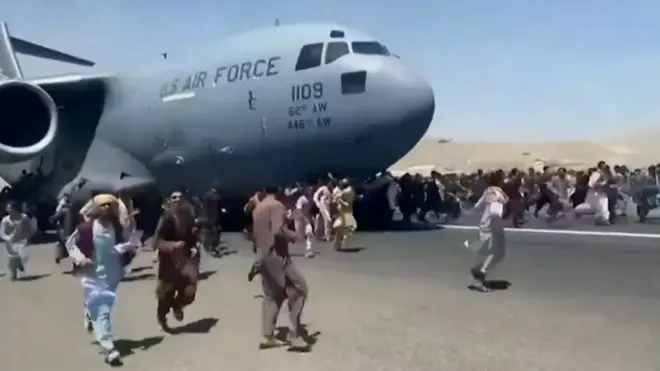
{"x":370,"y":48}
{"x":335,"y":50}
{"x":310,"y":56}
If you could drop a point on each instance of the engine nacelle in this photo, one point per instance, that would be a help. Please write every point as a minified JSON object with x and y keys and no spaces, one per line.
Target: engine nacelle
{"x":28,"y":121}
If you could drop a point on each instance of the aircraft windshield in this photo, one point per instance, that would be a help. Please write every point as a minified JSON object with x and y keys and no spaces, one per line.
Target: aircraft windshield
{"x":310,"y":56}
{"x":335,"y":50}
{"x":370,"y":48}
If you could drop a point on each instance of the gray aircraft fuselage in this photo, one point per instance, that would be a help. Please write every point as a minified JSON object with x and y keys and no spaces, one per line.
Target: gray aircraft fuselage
{"x":276,"y":105}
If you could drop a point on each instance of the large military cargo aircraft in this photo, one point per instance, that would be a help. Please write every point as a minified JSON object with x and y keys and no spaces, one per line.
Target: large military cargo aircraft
{"x":275,"y":105}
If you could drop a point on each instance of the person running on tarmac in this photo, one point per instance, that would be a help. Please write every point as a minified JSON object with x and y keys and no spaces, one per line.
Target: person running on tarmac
{"x":598,"y":196}
{"x":210,"y":220}
{"x":561,"y":185}
{"x":98,"y":246}
{"x":515,"y":208}
{"x":178,"y":260}
{"x":621,"y":189}
{"x":492,"y":244}
{"x":302,"y":217}
{"x":547,"y":196}
{"x":433,"y":197}
{"x":345,"y":225}
{"x":247,"y":212}
{"x":281,"y":280}
{"x":578,"y":194}
{"x":323,"y":221}
{"x":15,"y":231}
{"x":58,"y":219}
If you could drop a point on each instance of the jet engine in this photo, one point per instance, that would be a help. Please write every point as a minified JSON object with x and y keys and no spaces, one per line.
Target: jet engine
{"x":28,"y":121}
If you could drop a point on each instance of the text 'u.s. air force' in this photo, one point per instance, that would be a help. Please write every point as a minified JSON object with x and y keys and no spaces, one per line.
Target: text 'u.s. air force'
{"x":263,"y":67}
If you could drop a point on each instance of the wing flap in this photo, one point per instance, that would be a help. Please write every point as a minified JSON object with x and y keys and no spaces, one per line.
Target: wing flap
{"x":67,"y":90}
{"x":67,"y":79}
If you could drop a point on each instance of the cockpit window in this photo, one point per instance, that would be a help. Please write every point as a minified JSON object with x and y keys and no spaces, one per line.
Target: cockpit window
{"x":370,"y":48}
{"x":336,"y":34}
{"x":335,"y":50}
{"x":310,"y":56}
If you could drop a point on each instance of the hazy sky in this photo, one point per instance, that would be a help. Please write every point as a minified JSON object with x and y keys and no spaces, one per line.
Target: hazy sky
{"x":509,"y":67}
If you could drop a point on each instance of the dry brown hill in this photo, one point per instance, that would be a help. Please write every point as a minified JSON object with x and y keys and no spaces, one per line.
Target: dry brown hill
{"x":638,"y":149}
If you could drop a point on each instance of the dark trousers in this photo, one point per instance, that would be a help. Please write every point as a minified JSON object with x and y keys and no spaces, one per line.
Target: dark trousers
{"x":546,"y":197}
{"x":579,"y":196}
{"x":612,"y":199}
{"x":515,"y":209}
{"x":177,"y":290}
{"x":174,"y":296}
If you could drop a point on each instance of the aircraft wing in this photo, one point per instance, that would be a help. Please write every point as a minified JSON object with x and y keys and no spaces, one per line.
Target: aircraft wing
{"x":69,"y":89}
{"x":78,"y":100}
{"x":128,"y":184}
{"x":81,"y":99}
{"x":62,"y":89}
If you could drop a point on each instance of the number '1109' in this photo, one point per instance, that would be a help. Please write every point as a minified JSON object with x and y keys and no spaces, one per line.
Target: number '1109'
{"x":306,"y":91}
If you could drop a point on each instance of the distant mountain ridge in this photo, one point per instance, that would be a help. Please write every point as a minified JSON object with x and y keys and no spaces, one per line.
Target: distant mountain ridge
{"x":635,"y":150}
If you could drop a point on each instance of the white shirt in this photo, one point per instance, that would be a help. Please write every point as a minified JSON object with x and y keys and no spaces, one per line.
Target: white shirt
{"x":597,"y":181}
{"x":302,"y":202}
{"x":10,"y":229}
{"x":392,"y":192}
{"x":493,"y":203}
{"x":322,"y":195}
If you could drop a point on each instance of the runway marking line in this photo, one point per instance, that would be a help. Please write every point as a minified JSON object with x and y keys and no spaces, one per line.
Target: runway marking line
{"x":560,"y":231}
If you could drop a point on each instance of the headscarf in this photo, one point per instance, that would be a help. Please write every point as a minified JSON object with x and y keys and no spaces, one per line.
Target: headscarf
{"x":104,"y":199}
{"x":98,"y":201}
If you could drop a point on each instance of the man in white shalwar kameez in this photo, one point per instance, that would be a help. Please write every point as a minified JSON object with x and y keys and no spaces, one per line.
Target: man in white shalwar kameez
{"x":492,"y":247}
{"x":393,"y":191}
{"x":323,"y":221}
{"x":302,"y":217}
{"x":97,"y":246}
{"x":15,"y":230}
{"x":597,"y":195}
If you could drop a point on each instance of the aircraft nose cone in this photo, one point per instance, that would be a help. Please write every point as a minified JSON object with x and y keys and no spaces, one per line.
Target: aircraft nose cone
{"x":420,"y":102}
{"x":397,"y":111}
{"x":416,"y":102}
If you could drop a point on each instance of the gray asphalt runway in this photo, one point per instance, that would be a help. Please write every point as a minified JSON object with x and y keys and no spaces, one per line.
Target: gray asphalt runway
{"x":628,"y":224}
{"x":576,"y":303}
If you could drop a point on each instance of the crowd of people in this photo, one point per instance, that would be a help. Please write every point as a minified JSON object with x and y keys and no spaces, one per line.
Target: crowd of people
{"x":603,"y":191}
{"x":102,"y":233}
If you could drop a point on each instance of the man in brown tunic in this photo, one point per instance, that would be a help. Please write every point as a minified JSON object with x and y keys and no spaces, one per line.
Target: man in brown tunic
{"x":280,"y":279}
{"x":178,"y":260}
